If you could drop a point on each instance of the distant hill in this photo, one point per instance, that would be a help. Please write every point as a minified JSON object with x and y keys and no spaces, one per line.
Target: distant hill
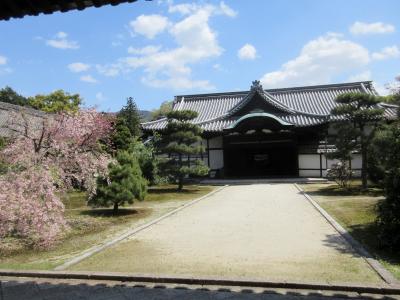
{"x":146,"y":115}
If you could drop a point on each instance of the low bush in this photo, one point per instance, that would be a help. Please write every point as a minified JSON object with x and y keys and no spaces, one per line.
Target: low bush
{"x":340,"y":173}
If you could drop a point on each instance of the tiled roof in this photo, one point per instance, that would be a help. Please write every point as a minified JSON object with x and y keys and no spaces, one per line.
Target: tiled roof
{"x":20,"y":8}
{"x":300,"y":106}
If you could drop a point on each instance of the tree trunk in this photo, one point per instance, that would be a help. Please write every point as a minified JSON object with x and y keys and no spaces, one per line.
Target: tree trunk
{"x":364,"y":175}
{"x":180,"y":183}
{"x":180,"y":176}
{"x":115,"y":209}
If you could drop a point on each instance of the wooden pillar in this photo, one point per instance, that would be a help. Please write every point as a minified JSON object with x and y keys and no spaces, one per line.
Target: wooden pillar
{"x":208,"y":152}
{"x":320,"y":165}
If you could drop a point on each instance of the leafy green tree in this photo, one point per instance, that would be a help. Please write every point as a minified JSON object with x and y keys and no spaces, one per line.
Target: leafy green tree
{"x":8,"y":95}
{"x":148,"y":161}
{"x":162,"y":111}
{"x":361,"y":117}
{"x":123,"y":184}
{"x":58,"y":101}
{"x":179,"y":140}
{"x":388,"y":219}
{"x":394,"y":97}
{"x":132,"y":118}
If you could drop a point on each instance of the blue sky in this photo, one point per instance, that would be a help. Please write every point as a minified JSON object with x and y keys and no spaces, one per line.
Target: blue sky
{"x":153,"y":50}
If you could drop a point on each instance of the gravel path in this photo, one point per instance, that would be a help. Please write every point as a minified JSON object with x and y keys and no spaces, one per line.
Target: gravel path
{"x":264,"y":231}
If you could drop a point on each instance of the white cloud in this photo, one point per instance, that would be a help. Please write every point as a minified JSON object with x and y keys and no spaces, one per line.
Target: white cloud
{"x":196,"y":41}
{"x":217,"y":67}
{"x":178,"y":83}
{"x":110,"y":70}
{"x":78,"y":67}
{"x":387,"y":53}
{"x":61,"y":35}
{"x":3,"y":60}
{"x":4,"y":69}
{"x":149,"y":25}
{"x":171,"y":68}
{"x":361,"y":28}
{"x":363,"y":76}
{"x":145,"y":50}
{"x":100,"y":97}
{"x":184,"y":8}
{"x":190,"y":8}
{"x":247,"y":52}
{"x":116,"y":43}
{"x":319,"y":61}
{"x":88,"y":78}
{"x":226,"y":10}
{"x":61,"y":41}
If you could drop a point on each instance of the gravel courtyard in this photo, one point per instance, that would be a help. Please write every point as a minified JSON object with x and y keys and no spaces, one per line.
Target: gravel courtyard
{"x":263,"y":231}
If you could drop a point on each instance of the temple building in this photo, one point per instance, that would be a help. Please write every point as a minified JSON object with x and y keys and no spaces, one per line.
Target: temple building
{"x":269,"y":133}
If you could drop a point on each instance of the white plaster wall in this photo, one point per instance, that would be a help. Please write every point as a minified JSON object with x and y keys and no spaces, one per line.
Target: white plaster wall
{"x":309,"y":173}
{"x":309,"y":161}
{"x":330,"y":162}
{"x":216,"y":159}
{"x":356,"y":162}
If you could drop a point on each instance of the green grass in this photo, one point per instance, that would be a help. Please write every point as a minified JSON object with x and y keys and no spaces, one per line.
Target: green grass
{"x":170,"y":192}
{"x":89,"y":227}
{"x":356,"y":211}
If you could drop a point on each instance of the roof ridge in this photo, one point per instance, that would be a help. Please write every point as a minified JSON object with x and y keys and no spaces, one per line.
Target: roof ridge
{"x":322,"y":86}
{"x":213,"y":95}
{"x":267,"y":98}
{"x":389,"y":104}
{"x":307,"y":87}
{"x":155,"y":121}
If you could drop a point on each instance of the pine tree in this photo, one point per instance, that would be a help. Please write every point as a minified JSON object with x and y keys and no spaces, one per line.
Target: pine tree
{"x":389,"y":209}
{"x":360,"y":112}
{"x":131,"y":116}
{"x":8,"y":95}
{"x":179,"y":140}
{"x":123,"y":184}
{"x":121,"y":137}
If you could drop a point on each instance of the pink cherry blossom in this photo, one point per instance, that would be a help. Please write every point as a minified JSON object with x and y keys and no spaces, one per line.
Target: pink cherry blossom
{"x":54,"y":152}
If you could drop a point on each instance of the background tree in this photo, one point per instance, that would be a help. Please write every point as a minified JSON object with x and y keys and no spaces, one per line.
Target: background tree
{"x":147,"y":159}
{"x":388,"y":139}
{"x":8,"y":95}
{"x":123,"y":184}
{"x":58,"y":101}
{"x":162,"y":111}
{"x":178,"y":140}
{"x":360,"y":115}
{"x":121,"y":137}
{"x":394,"y":97}
{"x":131,"y":116}
{"x":345,"y":143}
{"x":377,"y":158}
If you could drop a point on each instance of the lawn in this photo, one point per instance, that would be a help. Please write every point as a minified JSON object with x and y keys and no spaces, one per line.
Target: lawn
{"x":90,"y":227}
{"x":355,"y":211}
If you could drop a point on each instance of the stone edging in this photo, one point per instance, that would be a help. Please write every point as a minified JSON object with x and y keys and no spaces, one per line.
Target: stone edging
{"x":375,"y":265}
{"x":125,"y":277}
{"x":129,"y":233}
